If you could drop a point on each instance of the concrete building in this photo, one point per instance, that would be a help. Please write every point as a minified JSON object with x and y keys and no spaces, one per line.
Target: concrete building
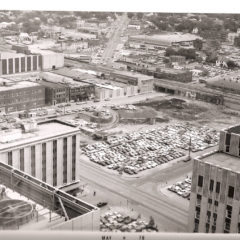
{"x":144,"y":83}
{"x":22,"y":95}
{"x":215,"y":192}
{"x":11,"y":63}
{"x":49,"y":60}
{"x":48,"y":151}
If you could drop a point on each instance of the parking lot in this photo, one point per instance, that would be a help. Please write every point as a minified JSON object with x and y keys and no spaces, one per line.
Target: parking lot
{"x":138,"y":151}
{"x":182,"y":188}
{"x":124,"y":222}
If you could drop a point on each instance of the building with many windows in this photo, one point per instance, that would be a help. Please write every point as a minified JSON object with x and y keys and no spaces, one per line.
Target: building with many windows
{"x":215,"y":192}
{"x":48,"y":150}
{"x":22,"y":95}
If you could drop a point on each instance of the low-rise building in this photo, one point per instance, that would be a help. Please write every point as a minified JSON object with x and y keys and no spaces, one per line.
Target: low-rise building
{"x":161,"y":41}
{"x":55,"y":93}
{"x":22,"y":95}
{"x":144,"y":83}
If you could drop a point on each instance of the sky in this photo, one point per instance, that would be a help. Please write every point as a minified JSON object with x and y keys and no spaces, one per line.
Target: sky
{"x":203,"y":6}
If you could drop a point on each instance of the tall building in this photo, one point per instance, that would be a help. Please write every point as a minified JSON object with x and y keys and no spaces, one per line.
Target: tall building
{"x":48,"y":151}
{"x":215,"y":192}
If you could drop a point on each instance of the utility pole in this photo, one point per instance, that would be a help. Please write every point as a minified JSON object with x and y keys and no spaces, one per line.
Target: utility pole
{"x":189,"y":148}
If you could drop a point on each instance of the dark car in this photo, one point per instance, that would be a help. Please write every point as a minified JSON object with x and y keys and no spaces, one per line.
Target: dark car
{"x":101,"y":204}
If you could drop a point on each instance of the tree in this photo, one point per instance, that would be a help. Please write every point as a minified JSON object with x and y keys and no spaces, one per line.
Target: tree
{"x":130,"y":15}
{"x":139,"y":15}
{"x":198,"y":44}
{"x":170,"y":51}
{"x":231,"y":64}
{"x":151,"y":223}
{"x":237,"y":41}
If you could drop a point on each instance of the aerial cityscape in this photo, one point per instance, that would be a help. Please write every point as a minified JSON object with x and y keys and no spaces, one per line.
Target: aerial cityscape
{"x":120,"y":122}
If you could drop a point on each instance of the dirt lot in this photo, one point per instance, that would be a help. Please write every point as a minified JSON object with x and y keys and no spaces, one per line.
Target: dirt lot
{"x":176,"y":108}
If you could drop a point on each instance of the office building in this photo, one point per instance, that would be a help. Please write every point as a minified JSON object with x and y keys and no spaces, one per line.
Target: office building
{"x":22,"y":95}
{"x":11,"y":63}
{"x":215,"y":192}
{"x":48,"y":150}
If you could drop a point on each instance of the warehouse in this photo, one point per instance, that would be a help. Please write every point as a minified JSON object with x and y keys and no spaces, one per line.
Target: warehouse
{"x":144,"y":83}
{"x":48,"y":151}
{"x":49,"y":60}
{"x":162,"y":41}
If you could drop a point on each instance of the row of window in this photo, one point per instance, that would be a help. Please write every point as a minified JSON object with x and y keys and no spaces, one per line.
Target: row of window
{"x":218,"y":186}
{"x":44,"y":157}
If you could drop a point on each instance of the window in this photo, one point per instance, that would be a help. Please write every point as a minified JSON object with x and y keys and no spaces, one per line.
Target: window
{"x":196,"y":225}
{"x":207,"y":227}
{"x":230,"y":191}
{"x":228,"y":139}
{"x":213,"y":229}
{"x":211,"y":185}
{"x":214,"y":219}
{"x":74,"y":158}
{"x":54,"y":162}
{"x":227,"y":148}
{"x":199,"y":198}
{"x":197,"y":215}
{"x":65,"y":160}
{"x":200,"y":181}
{"x":208,"y":216}
{"x":10,"y":158}
{"x":22,"y":159}
{"x":33,"y":161}
{"x":44,"y":162}
{"x":229,"y":211}
{"x":210,"y":201}
{"x":218,"y":187}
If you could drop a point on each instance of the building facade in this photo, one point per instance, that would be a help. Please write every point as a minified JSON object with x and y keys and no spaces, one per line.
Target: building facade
{"x":49,"y":153}
{"x":144,"y":83}
{"x":24,"y":95}
{"x":215,"y":191}
{"x":55,"y":93}
{"x":12,"y":63}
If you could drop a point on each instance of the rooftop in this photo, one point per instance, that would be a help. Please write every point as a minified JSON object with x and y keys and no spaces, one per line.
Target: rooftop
{"x":167,"y":37}
{"x":17,"y":85}
{"x":234,"y":129}
{"x":133,"y":74}
{"x":46,"y":130}
{"x":223,"y":160}
{"x":74,"y":73}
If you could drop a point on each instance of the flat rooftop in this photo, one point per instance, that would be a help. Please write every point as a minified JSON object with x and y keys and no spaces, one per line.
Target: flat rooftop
{"x":167,"y":37}
{"x":48,"y":129}
{"x":235,"y":129}
{"x":223,"y":160}
{"x":133,"y":74}
{"x":18,"y":85}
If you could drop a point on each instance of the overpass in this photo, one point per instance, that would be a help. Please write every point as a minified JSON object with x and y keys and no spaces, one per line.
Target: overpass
{"x":48,"y":196}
